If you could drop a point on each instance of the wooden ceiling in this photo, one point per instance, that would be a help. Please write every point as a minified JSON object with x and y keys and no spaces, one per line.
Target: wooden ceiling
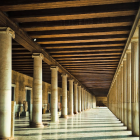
{"x":86,"y":37}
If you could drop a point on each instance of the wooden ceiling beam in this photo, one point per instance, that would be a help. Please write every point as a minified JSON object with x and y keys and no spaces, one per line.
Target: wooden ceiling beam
{"x":23,"y":39}
{"x":85,"y":50}
{"x":73,"y":17}
{"x":85,"y":46}
{"x":52,"y":5}
{"x":82,"y":41}
{"x":87,"y":58}
{"x":91,"y":66}
{"x":67,"y":62}
{"x":29,"y":29}
{"x":92,"y":54}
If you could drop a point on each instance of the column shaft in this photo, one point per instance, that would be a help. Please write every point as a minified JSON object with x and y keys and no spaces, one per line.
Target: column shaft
{"x":128,"y":65}
{"x":134,"y":89}
{"x":79,"y":98}
{"x":5,"y":82}
{"x":124,"y":93}
{"x":70,"y":97}
{"x":54,"y":93}
{"x":75,"y":99}
{"x":37,"y":91}
{"x":121,"y":95}
{"x":64,"y":96}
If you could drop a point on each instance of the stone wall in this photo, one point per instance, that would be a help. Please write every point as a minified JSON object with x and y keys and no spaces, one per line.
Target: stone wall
{"x":101,"y":101}
{"x":22,"y":82}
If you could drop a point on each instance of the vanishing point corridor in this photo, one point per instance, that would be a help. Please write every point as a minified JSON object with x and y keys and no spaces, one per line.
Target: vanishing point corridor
{"x":93,"y":124}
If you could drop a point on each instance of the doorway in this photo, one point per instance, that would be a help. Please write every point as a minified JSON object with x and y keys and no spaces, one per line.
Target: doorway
{"x":28,"y":99}
{"x":49,"y":101}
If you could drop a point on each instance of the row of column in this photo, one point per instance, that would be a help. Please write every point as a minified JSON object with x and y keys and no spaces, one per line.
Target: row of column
{"x":82,"y":99}
{"x":123,"y":97}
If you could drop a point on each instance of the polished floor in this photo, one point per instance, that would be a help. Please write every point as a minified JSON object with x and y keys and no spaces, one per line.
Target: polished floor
{"x":93,"y":124}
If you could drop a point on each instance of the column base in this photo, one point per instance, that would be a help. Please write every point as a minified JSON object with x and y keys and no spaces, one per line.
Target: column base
{"x":36,"y":125}
{"x":64,"y":116}
{"x":8,"y":138}
{"x":79,"y":111}
{"x":70,"y":115}
{"x":75,"y":112}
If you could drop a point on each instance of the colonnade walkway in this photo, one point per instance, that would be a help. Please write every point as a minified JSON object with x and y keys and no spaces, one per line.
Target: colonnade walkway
{"x":93,"y":124}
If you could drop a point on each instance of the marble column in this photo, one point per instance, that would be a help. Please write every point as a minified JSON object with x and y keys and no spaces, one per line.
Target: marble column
{"x":85,"y":100}
{"x":128,"y":66}
{"x":121,"y":93}
{"x":6,"y":35}
{"x":70,"y":96}
{"x":118,"y":94}
{"x":75,"y":98}
{"x":82,"y":99}
{"x":79,"y":99}
{"x":54,"y":93}
{"x":64,"y":96}
{"x":37,"y":91}
{"x":124,"y":92}
{"x":134,"y":88}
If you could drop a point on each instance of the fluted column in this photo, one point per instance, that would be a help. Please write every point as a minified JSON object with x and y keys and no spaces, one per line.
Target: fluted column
{"x":128,"y":66}
{"x":79,"y":98}
{"x":75,"y":98}
{"x":124,"y":92}
{"x":134,"y":89}
{"x":37,"y":91}
{"x":70,"y":96}
{"x":82,"y":99}
{"x":6,"y":35}
{"x":121,"y":94}
{"x":64,"y":96}
{"x":54,"y":93}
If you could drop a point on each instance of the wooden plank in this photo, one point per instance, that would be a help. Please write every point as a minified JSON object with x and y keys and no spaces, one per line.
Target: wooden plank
{"x":85,"y":46}
{"x":82,"y":41}
{"x":81,"y":61}
{"x":95,"y":63}
{"x":23,"y":39}
{"x":85,"y":51}
{"x":86,"y":58}
{"x":92,"y":54}
{"x":73,"y":27}
{"x":73,"y":17}
{"x":52,"y":5}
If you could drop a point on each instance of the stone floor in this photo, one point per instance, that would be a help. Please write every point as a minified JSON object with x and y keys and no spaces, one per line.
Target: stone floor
{"x":93,"y":124}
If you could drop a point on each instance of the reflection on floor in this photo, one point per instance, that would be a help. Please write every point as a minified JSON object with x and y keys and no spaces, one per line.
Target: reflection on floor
{"x":93,"y":124}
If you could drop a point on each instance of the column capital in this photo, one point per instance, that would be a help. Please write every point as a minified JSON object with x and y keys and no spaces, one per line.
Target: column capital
{"x":75,"y":82}
{"x":128,"y":51}
{"x":79,"y":86}
{"x":54,"y":67}
{"x":63,"y":74}
{"x":134,"y":39}
{"x":70,"y":79}
{"x":7,"y":30}
{"x":124,"y":59}
{"x":38,"y":55}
